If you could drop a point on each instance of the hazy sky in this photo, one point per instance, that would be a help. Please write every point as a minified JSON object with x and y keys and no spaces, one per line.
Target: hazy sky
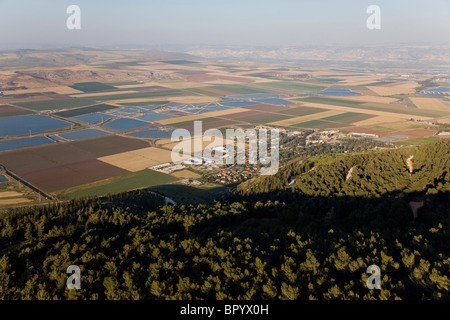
{"x":223,"y":22}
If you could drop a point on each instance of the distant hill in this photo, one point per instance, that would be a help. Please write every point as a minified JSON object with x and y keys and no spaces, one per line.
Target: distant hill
{"x":369,"y":174}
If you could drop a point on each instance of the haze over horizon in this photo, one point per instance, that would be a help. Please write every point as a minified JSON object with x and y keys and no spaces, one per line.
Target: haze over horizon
{"x":30,"y":24}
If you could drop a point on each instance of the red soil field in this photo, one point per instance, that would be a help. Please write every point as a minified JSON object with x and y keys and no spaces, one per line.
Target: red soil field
{"x":266,"y":107}
{"x":418,"y":133}
{"x":71,"y":175}
{"x":216,"y":125}
{"x":7,"y":110}
{"x":62,"y":165}
{"x":242,"y":115}
{"x":354,"y":119}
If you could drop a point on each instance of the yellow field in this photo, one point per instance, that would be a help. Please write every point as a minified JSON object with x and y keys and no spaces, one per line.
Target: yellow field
{"x":316,"y":116}
{"x":398,"y":126}
{"x":362,"y":80}
{"x":365,"y":111}
{"x":408,"y":84}
{"x":192,"y":99}
{"x":10,"y":194}
{"x":177,"y":84}
{"x":193,"y":117}
{"x":184,"y":174}
{"x":137,"y":160}
{"x":7,"y":202}
{"x":372,"y":99}
{"x":430,"y":104}
{"x":376,"y":120}
{"x":196,"y":144}
{"x":388,"y":91}
{"x":444,"y":120}
{"x":58,"y":90}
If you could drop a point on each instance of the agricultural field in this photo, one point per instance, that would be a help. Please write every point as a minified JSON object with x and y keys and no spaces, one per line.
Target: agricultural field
{"x":131,"y":181}
{"x":84,"y":129}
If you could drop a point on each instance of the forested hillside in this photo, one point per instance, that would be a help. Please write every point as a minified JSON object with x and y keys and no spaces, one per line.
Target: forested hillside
{"x":369,"y":174}
{"x":311,"y":239}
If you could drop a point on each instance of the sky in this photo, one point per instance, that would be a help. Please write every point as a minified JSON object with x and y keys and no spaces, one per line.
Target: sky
{"x":31,"y":23}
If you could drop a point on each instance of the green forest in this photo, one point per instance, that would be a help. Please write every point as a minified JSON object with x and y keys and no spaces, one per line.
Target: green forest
{"x":309,"y":232}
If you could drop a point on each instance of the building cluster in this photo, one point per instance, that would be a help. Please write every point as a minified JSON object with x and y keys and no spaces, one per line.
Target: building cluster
{"x":168,"y":167}
{"x":234,"y":174}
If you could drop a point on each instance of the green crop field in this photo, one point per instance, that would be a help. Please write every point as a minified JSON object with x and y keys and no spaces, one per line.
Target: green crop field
{"x":239,"y":89}
{"x":329,"y":80}
{"x":85,"y":110}
{"x":89,"y":87}
{"x":187,"y":194}
{"x":260,"y":75}
{"x":341,"y":116}
{"x":57,"y":104}
{"x":197,"y":91}
{"x":319,"y":124}
{"x":135,"y":180}
{"x":416,"y":141}
{"x":379,"y":83}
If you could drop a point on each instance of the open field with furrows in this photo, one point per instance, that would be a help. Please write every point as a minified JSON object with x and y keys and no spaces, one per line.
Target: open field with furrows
{"x":135,"y":180}
{"x":195,"y":144}
{"x":402,"y":126}
{"x":376,"y":99}
{"x":190,"y":123}
{"x":13,"y":193}
{"x":103,"y":94}
{"x":377,"y":120}
{"x":139,"y":159}
{"x":216,"y":125}
{"x":311,"y":117}
{"x":14,"y":201}
{"x":193,"y":117}
{"x":444,"y":120}
{"x":64,"y":165}
{"x":402,"y":114}
{"x":430,"y":104}
{"x":192,"y":99}
{"x":58,"y":90}
{"x":185,"y":174}
{"x":388,"y":91}
{"x":11,"y":111}
{"x":267,"y":108}
{"x":56,"y":104}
